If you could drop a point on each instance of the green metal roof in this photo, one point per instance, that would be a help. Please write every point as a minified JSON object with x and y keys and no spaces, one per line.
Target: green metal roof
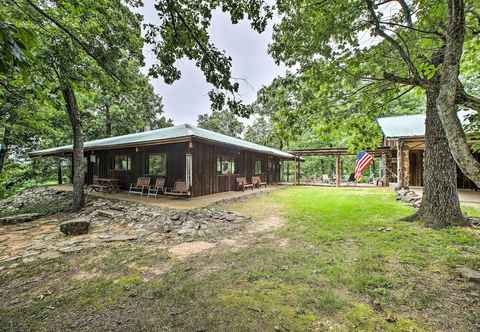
{"x":177,"y":132}
{"x":409,"y":125}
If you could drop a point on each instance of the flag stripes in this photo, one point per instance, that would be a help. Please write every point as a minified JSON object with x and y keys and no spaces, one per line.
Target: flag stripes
{"x":364,"y":159}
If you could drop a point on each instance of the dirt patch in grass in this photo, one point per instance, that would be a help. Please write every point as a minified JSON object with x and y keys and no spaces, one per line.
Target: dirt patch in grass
{"x":185,"y":250}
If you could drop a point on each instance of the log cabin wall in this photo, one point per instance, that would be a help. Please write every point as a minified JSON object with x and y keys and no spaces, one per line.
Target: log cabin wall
{"x":205,"y":178}
{"x":104,"y":165}
{"x":416,"y":168}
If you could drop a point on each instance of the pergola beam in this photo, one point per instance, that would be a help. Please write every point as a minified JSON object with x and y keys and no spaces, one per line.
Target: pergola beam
{"x":335,"y":151}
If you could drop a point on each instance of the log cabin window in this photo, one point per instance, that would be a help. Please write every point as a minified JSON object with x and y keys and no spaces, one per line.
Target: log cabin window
{"x":123,"y":163}
{"x":157,"y":164}
{"x":258,"y":167}
{"x":225,"y":165}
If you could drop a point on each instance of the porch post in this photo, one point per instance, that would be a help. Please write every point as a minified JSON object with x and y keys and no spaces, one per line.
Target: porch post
{"x":338,"y":170}
{"x":188,"y":171}
{"x":59,"y":170}
{"x":384,"y":169}
{"x":400,"y":164}
{"x":298,"y":170}
{"x":288,"y":171}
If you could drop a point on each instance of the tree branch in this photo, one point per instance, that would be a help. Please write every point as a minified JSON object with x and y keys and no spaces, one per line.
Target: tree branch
{"x":392,"y":99}
{"x":407,"y":12}
{"x":428,"y":32}
{"x":378,"y":29}
{"x":395,"y":79}
{"x":75,"y":39}
{"x":467,"y":100}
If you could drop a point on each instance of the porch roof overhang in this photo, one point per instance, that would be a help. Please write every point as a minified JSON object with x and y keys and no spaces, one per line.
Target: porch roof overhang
{"x":170,"y":135}
{"x":411,"y":126}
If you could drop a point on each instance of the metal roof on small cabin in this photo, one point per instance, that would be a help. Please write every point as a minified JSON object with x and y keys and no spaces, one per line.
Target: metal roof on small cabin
{"x":163,"y":135}
{"x":409,"y":125}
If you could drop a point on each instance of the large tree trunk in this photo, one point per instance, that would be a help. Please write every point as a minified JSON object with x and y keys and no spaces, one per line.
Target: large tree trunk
{"x":449,"y":87}
{"x":440,"y":204}
{"x":108,"y":121}
{"x":78,"y":173}
{"x":3,"y":156}
{"x":3,"y":148}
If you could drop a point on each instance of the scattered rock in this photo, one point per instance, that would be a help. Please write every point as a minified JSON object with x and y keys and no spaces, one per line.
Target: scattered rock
{"x":10,"y":259}
{"x":69,"y":250}
{"x":48,"y":198}
{"x":106,"y":221}
{"x":75,"y":227}
{"x":385,"y":229}
{"x":230,"y":217}
{"x":120,"y":238}
{"x":469,"y":274}
{"x":175,"y":217}
{"x":49,"y":255}
{"x":410,"y":197}
{"x":19,"y":218}
{"x":107,"y":214}
{"x":185,"y":232}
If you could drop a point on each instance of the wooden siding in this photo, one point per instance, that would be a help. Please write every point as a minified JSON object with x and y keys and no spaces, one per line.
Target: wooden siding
{"x":104,"y":166}
{"x":205,"y":178}
{"x":416,"y":168}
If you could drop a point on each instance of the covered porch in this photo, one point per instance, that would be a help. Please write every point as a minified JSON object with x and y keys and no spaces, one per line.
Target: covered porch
{"x":199,"y":161}
{"x":176,"y":203}
{"x":338,"y":179}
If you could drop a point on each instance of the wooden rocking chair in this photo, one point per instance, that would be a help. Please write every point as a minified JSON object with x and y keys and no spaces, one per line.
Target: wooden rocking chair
{"x":180,"y":190}
{"x":142,"y":184}
{"x":158,"y":188}
{"x":257,"y":182}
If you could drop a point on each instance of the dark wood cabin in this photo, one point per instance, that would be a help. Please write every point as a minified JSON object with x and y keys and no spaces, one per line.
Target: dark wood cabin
{"x":207,"y":161}
{"x":405,"y":135}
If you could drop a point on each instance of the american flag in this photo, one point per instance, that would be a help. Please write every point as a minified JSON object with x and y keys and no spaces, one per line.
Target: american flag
{"x":363,"y":160}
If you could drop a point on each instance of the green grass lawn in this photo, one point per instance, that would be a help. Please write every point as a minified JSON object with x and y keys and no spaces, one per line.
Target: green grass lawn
{"x":341,"y":262}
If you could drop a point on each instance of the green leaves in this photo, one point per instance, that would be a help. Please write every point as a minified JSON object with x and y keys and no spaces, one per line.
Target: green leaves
{"x":224,"y":122}
{"x":14,"y":41}
{"x":183,"y":32}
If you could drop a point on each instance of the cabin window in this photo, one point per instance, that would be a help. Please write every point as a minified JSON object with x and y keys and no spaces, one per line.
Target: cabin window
{"x":157,"y":164}
{"x":225,"y":166}
{"x":123,"y":163}
{"x":258,"y":167}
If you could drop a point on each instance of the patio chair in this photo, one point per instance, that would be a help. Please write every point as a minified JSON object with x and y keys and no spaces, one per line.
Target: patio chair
{"x":142,"y":184}
{"x":242,"y":184}
{"x":257,"y":182}
{"x":179,"y":190}
{"x":158,"y":188}
{"x":325,"y":178}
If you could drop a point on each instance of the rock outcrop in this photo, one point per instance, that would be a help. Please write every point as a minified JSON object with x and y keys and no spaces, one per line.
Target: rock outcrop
{"x":75,"y":227}
{"x":19,"y":218}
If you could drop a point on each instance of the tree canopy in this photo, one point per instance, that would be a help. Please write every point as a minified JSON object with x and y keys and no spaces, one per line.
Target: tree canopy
{"x":225,"y":122}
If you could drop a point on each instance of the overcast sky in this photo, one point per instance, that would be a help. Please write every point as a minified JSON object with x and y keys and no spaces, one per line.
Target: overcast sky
{"x":187,"y":98}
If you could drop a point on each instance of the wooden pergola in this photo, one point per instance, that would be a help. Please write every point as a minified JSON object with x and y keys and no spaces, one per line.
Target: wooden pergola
{"x":337,"y":152}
